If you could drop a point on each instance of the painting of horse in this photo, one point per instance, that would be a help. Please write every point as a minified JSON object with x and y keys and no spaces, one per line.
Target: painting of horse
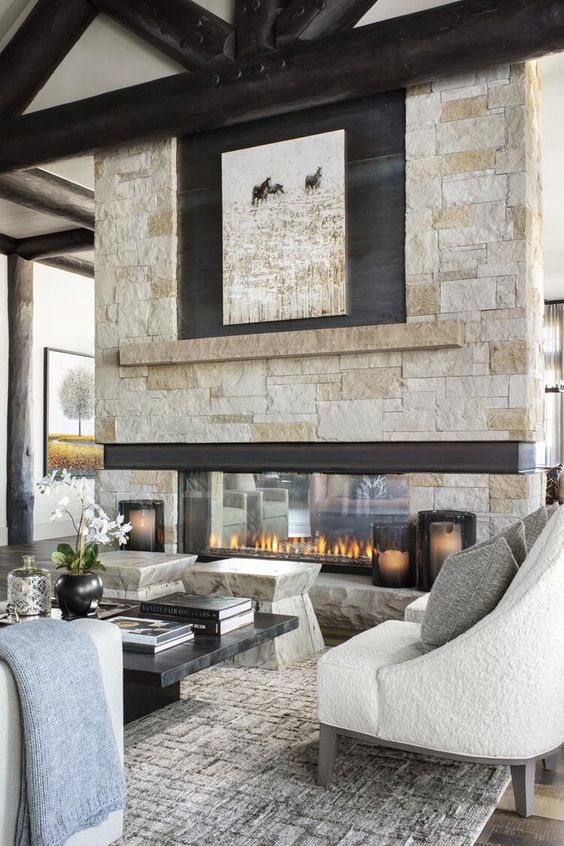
{"x":284,"y":230}
{"x":261,"y":192}
{"x":313,"y":180}
{"x":276,"y":189}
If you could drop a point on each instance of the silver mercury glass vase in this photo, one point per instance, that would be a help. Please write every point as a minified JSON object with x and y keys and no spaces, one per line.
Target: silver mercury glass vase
{"x":29,"y":590}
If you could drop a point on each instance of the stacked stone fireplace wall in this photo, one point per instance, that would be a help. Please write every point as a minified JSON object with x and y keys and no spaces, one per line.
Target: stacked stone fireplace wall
{"x":473,"y":254}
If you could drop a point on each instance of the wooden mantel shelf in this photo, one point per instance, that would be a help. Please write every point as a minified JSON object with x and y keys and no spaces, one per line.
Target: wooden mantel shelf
{"x":447,"y":334}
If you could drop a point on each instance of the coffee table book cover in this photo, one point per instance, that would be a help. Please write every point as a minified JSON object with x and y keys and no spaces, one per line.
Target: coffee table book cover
{"x":221,"y":627}
{"x":193,"y":606}
{"x":151,"y":635}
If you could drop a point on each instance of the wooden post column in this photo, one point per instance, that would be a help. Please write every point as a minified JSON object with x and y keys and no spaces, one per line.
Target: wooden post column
{"x":20,"y":470}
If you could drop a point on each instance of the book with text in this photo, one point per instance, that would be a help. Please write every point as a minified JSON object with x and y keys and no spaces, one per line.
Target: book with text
{"x":195,"y":607}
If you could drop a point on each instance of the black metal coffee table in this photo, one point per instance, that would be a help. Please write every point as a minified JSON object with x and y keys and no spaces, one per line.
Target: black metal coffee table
{"x":152,"y":681}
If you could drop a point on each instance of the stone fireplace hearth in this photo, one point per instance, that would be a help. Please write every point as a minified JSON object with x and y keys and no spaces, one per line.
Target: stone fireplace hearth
{"x":463,"y":373}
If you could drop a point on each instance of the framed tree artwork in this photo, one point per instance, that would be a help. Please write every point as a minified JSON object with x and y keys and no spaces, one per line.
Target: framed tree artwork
{"x":69,"y":413}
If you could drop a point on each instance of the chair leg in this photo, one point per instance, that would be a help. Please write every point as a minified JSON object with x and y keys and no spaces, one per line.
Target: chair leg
{"x":523,"y":777}
{"x":328,"y":748}
{"x":551,"y":763}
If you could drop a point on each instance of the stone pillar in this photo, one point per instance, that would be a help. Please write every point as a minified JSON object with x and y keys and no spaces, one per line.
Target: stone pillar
{"x":474,"y":253}
{"x":135,"y":268}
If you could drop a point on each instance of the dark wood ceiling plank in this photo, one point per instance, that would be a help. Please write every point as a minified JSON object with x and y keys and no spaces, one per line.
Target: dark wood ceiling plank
{"x":311,"y":19}
{"x":81,"y":267}
{"x":55,"y":244}
{"x":254,"y":23}
{"x":455,"y":38}
{"x":45,"y":192}
{"x":40,"y":44}
{"x":182,"y":29}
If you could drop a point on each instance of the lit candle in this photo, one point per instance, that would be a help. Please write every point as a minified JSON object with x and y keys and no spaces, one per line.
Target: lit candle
{"x":393,"y":566}
{"x":142,"y":536}
{"x":445,"y":540}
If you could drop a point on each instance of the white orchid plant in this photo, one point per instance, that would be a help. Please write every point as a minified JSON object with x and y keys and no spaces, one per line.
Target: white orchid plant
{"x":94,"y":527}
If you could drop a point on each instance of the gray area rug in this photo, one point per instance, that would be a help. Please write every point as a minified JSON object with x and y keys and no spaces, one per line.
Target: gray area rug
{"x":234,"y":763}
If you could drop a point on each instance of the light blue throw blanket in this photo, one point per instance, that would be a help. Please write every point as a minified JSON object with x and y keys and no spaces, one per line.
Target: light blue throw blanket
{"x":72,"y":777}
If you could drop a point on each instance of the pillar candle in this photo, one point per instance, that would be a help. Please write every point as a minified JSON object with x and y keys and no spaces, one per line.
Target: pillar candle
{"x":393,"y":567}
{"x":142,"y":536}
{"x":445,"y":540}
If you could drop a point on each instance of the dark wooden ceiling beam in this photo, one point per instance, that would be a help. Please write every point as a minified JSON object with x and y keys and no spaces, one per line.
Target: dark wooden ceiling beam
{"x":182,"y":29}
{"x":55,"y":244}
{"x":310,"y":19}
{"x":45,"y":192}
{"x":37,"y":48}
{"x":7,"y":245}
{"x":455,"y":38}
{"x":81,"y":267}
{"x":254,"y":23}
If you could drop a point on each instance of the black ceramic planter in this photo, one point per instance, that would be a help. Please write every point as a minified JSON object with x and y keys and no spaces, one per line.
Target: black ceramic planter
{"x":78,"y":596}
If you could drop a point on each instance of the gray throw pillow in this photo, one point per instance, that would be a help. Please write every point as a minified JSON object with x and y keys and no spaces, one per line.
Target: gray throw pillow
{"x":534,"y":524}
{"x":467,"y":589}
{"x":516,"y":538}
{"x":551,"y":510}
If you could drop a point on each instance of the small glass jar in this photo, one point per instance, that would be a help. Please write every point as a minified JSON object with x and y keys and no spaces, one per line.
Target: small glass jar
{"x":29,"y":590}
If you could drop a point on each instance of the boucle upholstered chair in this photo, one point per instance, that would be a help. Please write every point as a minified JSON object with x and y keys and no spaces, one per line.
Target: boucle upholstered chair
{"x":107,"y":641}
{"x":494,"y":695}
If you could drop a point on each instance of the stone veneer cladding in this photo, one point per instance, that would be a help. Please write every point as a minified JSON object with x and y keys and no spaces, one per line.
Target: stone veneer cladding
{"x":473,"y":253}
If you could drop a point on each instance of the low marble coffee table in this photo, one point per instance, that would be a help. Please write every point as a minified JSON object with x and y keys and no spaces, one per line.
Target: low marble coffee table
{"x":280,"y":587}
{"x":142,"y":575}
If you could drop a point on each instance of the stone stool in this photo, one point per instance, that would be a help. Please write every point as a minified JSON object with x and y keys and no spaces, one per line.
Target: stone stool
{"x":142,"y":575}
{"x":280,"y":587}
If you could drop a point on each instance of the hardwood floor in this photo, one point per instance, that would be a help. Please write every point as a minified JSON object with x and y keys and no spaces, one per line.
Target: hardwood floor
{"x":504,"y":827}
{"x":546,"y":828}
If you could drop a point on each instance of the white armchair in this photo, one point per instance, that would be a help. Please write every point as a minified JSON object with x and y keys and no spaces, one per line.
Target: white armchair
{"x":107,"y":640}
{"x":493,"y":695}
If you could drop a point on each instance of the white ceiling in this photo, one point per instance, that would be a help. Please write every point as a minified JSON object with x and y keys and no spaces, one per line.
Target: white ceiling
{"x":108,"y":57}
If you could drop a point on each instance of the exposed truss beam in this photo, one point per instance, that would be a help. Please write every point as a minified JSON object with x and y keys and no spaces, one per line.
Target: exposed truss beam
{"x":45,"y":192}
{"x":455,"y":38}
{"x":37,"y":48}
{"x":254,"y":22}
{"x":182,"y":29}
{"x":38,"y":247}
{"x":310,"y":19}
{"x":81,"y":267}
{"x":55,"y":244}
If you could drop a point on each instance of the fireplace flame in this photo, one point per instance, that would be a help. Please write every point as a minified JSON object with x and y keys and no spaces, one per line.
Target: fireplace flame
{"x":343,"y":547}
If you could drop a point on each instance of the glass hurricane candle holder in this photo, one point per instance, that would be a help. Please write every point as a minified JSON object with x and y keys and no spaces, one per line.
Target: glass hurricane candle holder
{"x":147,"y":524}
{"x":29,"y":590}
{"x":393,"y":555}
{"x":440,"y":534}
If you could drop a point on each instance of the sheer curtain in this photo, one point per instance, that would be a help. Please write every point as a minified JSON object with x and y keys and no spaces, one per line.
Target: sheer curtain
{"x":554,"y":373}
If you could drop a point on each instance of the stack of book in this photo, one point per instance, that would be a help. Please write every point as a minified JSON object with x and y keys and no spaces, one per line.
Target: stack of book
{"x":153,"y":636}
{"x":208,"y":615}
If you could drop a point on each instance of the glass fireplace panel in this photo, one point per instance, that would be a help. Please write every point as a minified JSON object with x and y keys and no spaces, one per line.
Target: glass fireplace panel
{"x":324,"y":517}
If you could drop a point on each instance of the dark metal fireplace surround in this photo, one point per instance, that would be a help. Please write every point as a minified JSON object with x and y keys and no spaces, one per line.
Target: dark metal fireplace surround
{"x":200,"y":461}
